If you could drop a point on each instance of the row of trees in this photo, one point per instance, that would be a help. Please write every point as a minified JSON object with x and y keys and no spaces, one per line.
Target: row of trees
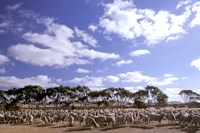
{"x":82,"y":95}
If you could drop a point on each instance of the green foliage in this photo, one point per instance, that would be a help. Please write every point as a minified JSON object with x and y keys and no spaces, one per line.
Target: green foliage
{"x":138,"y":103}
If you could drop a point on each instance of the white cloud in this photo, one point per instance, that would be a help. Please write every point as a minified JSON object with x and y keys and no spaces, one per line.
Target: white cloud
{"x":182,"y":3}
{"x":4,"y":59}
{"x":135,"y":77}
{"x":12,"y":81}
{"x":42,"y":57}
{"x":92,"y":82}
{"x":139,"y":52}
{"x":134,"y":89}
{"x":14,"y":7}
{"x":123,"y":62}
{"x":86,"y":37}
{"x":172,"y":38}
{"x":55,"y":48}
{"x":138,"y":77}
{"x":129,"y":22}
{"x":92,"y":27}
{"x":196,"y":9}
{"x":196,"y":63}
{"x":168,"y":75}
{"x":172,"y":93}
{"x":112,"y":79}
{"x":166,"y":81}
{"x":80,"y":70}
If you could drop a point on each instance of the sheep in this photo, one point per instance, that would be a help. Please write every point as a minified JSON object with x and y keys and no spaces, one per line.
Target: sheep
{"x":120,"y":119}
{"x":129,"y":118}
{"x":70,"y":120}
{"x":171,"y":117}
{"x":2,"y":119}
{"x":155,"y":117}
{"x":81,"y":119}
{"x":111,"y":120}
{"x":91,"y":122}
{"x":195,"y":120}
{"x":29,"y":119}
{"x":101,"y":120}
{"x":44,"y":119}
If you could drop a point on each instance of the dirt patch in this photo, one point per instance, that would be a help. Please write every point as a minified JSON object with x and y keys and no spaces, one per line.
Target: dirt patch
{"x":41,"y":128}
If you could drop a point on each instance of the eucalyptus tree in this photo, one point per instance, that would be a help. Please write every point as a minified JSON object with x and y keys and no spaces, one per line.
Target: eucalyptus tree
{"x":162,"y":99}
{"x":13,"y":98}
{"x":93,"y":96}
{"x":140,"y":98}
{"x":2,"y":100}
{"x":123,"y":95}
{"x":112,"y":92}
{"x":189,"y":96}
{"x":82,"y":94}
{"x":32,"y":94}
{"x":153,"y":92}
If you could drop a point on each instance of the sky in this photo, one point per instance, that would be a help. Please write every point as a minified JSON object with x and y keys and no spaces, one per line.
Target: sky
{"x":101,"y":44}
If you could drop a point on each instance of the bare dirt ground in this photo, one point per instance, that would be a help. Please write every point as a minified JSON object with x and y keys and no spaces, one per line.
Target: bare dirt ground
{"x":64,"y":128}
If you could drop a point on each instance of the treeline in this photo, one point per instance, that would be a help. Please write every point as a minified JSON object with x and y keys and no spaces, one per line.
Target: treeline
{"x":69,"y":96}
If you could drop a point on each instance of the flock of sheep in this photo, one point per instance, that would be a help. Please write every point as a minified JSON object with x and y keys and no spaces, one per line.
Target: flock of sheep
{"x":101,"y":118}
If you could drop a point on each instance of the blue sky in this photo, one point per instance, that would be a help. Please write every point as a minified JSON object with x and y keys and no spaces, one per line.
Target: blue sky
{"x":101,"y":44}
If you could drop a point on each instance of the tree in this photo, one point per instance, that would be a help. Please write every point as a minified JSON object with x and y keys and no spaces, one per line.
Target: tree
{"x":123,"y":95}
{"x":2,"y":100}
{"x":158,"y":97}
{"x":153,"y":92}
{"x":140,"y":98}
{"x":162,"y":99}
{"x":82,"y":94}
{"x":189,"y":96}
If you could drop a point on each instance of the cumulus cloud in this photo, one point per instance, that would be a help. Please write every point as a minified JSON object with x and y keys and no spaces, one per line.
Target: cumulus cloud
{"x":55,"y":48}
{"x":139,"y":52}
{"x":129,"y":22}
{"x":4,"y":59}
{"x":196,"y":63}
{"x":128,"y":77}
{"x":135,"y":76}
{"x":123,"y":62}
{"x":85,"y":37}
{"x":172,"y":93}
{"x":12,"y":81}
{"x":92,"y":82}
{"x":168,"y":75}
{"x":182,"y":3}
{"x":112,"y":79}
{"x":138,"y":77}
{"x":80,"y":70}
{"x":196,"y":10}
{"x":164,"y":82}
{"x":92,"y":27}
{"x":134,"y":89}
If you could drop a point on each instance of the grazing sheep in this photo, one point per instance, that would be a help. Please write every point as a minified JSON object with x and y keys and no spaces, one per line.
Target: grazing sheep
{"x":111,"y":120}
{"x":71,"y":120}
{"x":29,"y":119}
{"x":101,"y":120}
{"x":89,"y":121}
